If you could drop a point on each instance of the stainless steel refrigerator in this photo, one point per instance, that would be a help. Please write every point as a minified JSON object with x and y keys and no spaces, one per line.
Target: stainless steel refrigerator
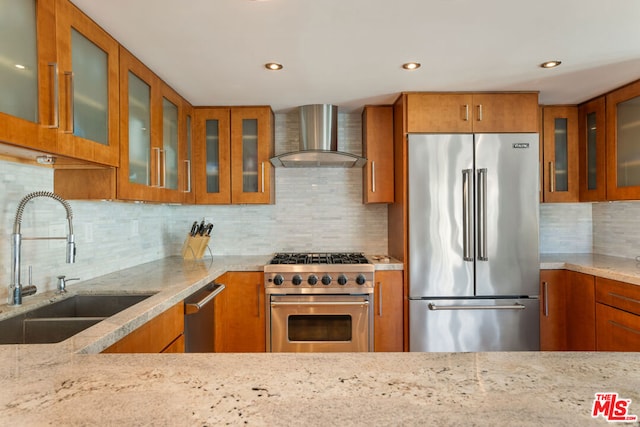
{"x":473,"y":242}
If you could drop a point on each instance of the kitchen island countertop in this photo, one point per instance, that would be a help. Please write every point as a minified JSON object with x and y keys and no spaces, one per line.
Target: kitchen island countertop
{"x":65,"y":384}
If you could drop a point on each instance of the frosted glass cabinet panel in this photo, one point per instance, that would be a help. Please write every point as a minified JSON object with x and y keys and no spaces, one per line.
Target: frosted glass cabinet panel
{"x":623,"y":143}
{"x":250,"y":156}
{"x":19,"y":53}
{"x":213,"y":155}
{"x":170,"y":144}
{"x":592,"y":124}
{"x":559,"y":168}
{"x":90,"y":89}
{"x":211,"y":174}
{"x":139,"y":130}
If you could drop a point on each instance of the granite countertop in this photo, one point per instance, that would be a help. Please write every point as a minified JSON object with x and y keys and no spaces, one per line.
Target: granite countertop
{"x":65,"y":384}
{"x":610,"y":267}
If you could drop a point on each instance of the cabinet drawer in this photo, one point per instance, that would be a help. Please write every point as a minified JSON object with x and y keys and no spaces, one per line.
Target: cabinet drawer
{"x":616,"y":330}
{"x":621,"y":295}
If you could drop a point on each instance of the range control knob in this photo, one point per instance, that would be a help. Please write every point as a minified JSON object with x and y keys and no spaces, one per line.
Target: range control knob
{"x":296,"y":280}
{"x":342,"y":280}
{"x":360,"y":280}
{"x":326,"y":279}
{"x":312,"y":280}
{"x":278,"y":280}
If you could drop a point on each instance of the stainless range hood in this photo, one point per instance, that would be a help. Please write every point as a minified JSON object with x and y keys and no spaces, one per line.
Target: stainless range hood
{"x":318,"y":141}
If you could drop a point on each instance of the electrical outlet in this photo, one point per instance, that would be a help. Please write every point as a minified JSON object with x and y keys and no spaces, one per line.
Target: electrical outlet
{"x":134,"y":228}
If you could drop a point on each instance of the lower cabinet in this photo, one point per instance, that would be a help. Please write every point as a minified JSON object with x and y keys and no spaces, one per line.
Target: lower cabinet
{"x":617,"y":315}
{"x":567,"y":311}
{"x":240,"y":314}
{"x":388,"y":311}
{"x":162,"y":334}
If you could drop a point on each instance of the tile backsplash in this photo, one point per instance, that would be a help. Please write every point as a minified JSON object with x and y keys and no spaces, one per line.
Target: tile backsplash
{"x":566,"y":227}
{"x":616,"y":229}
{"x":317,"y":209}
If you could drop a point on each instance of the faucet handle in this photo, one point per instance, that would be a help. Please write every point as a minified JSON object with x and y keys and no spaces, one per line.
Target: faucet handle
{"x":62,"y":283}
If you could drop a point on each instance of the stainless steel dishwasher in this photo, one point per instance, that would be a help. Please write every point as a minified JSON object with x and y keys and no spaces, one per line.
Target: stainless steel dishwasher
{"x":199,"y":319}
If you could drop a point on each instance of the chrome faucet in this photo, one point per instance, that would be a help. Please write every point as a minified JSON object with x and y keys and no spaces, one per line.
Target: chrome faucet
{"x":15,"y":288}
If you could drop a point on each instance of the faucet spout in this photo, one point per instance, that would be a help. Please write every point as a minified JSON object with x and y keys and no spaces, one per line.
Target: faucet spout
{"x":15,"y":288}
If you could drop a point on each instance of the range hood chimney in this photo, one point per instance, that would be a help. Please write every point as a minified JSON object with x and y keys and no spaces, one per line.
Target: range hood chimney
{"x":318,"y":141}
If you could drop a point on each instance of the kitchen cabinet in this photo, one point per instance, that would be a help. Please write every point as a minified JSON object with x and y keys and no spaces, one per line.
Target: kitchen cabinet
{"x":560,"y":154}
{"x":471,"y":112}
{"x":622,"y":148}
{"x":162,"y":334}
{"x":186,"y":152}
{"x":553,"y":336}
{"x":232,"y":149}
{"x":617,"y":315}
{"x":88,"y":87}
{"x":377,"y":147}
{"x":28,"y":78}
{"x":240,"y":313}
{"x":580,"y":312}
{"x":567,"y":311}
{"x":591,"y":150}
{"x":388,"y":311}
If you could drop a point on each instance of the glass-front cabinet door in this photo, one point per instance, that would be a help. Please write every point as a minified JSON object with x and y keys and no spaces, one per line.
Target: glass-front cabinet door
{"x":560,"y":154}
{"x":623,"y":143}
{"x":28,"y":75}
{"x":88,"y":77}
{"x":252,"y":176}
{"x":211,"y":163}
{"x":591,"y":122}
{"x":170,"y":175}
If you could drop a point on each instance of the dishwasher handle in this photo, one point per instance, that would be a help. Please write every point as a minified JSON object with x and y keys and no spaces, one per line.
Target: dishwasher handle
{"x":194,"y":307}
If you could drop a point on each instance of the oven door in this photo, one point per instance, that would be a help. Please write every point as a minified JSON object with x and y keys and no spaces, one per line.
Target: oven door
{"x":320,"y":323}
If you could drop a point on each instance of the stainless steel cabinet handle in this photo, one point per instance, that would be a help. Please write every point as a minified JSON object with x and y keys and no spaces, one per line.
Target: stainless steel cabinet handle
{"x":195,"y":307}
{"x":258,"y":289}
{"x":70,"y":107}
{"x":466,"y":112}
{"x":515,"y":306}
{"x":373,"y":176}
{"x":188,"y":164}
{"x":56,"y":96}
{"x":157,"y":183}
{"x":467,"y":213}
{"x":622,"y":297}
{"x":545,"y":295}
{"x":263,"y":177}
{"x":482,"y":215}
{"x":626,"y":328}
{"x":164,"y":168}
{"x":479,"y":112}
{"x":380,"y":299}
{"x":552,"y":178}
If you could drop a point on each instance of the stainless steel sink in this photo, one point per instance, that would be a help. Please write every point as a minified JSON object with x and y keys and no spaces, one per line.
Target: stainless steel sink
{"x":62,"y":319}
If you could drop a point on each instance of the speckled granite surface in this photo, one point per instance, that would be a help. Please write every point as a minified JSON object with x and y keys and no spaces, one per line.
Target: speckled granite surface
{"x":623,"y":269}
{"x":524,"y":389}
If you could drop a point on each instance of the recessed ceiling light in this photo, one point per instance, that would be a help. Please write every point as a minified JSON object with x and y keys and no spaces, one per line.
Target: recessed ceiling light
{"x":411,"y":65}
{"x":273,"y":66}
{"x":550,"y":64}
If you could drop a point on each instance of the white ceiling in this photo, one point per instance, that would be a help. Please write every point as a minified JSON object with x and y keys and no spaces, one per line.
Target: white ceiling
{"x":349,"y":52}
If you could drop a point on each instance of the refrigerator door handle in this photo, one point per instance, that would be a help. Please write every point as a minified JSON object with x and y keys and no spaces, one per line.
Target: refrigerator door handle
{"x":467,"y":213}
{"x":482,"y":215}
{"x":515,"y":306}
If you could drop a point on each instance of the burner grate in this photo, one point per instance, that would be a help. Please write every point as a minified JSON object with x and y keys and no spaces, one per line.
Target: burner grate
{"x":319,"y":258}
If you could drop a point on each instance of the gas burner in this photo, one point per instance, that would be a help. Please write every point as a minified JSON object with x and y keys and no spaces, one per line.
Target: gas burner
{"x":319,"y":258}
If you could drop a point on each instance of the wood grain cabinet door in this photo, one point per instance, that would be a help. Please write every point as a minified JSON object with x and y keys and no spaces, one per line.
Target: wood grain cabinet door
{"x":388,"y":302}
{"x":580,"y":312}
{"x":560,"y":154}
{"x":505,"y":112}
{"x":592,"y":150}
{"x":553,"y":284}
{"x":377,"y":147}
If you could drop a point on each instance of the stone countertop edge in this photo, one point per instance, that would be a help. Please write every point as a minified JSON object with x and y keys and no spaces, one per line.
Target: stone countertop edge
{"x":610,"y":267}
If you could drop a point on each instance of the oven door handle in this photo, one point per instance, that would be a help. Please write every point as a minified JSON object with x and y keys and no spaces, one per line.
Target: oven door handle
{"x":334,"y":303}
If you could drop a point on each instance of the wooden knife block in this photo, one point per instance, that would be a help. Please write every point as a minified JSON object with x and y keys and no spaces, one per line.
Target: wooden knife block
{"x":194,"y":246}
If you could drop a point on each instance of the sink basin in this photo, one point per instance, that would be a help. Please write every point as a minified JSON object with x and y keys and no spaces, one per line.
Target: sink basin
{"x":62,"y":319}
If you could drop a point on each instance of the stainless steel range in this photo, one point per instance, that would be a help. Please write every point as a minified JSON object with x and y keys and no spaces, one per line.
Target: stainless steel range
{"x":319,"y":302}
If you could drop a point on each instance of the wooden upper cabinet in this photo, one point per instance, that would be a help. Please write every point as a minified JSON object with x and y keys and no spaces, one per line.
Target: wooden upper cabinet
{"x":252,"y":140}
{"x":592,"y":149}
{"x":29,"y":113}
{"x":377,"y":147}
{"x":212,"y":155}
{"x":473,"y":112}
{"x":187,"y":152}
{"x":88,"y":87}
{"x":560,"y":154}
{"x":622,"y":148}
